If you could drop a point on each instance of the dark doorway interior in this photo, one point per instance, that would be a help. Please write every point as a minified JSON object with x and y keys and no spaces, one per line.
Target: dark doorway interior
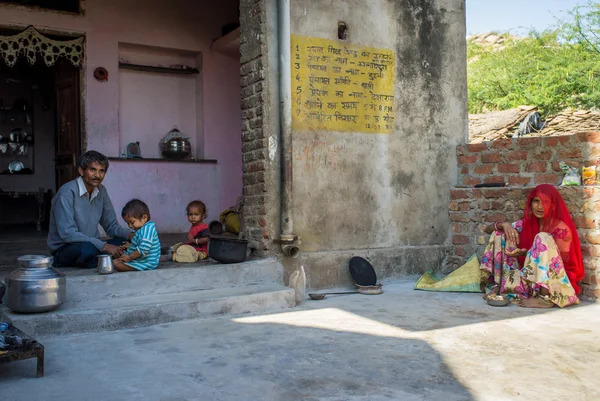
{"x":40,"y":143}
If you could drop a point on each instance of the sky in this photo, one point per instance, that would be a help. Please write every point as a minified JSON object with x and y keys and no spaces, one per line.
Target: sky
{"x":516,"y":16}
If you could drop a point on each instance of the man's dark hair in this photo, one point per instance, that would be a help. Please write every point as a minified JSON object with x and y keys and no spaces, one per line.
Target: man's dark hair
{"x":135,"y":208}
{"x":92,"y":156}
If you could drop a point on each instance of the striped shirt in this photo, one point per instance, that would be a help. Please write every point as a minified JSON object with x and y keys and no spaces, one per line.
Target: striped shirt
{"x":146,"y":242}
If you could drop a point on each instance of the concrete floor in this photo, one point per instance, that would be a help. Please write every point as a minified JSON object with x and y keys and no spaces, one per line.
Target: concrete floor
{"x":402,"y":345}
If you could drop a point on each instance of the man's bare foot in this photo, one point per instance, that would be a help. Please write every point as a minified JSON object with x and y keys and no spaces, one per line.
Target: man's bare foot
{"x":535,"y":303}
{"x":493,"y":292}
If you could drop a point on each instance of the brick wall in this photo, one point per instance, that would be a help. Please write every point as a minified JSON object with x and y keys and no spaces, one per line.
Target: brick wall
{"x":523,"y":163}
{"x":526,"y":161}
{"x":257,"y":174}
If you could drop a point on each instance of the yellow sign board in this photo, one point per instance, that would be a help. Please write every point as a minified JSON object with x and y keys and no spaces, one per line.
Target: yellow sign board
{"x":341,"y":87}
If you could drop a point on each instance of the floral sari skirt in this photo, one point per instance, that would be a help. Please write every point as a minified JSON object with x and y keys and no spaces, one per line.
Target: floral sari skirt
{"x":543,"y":268}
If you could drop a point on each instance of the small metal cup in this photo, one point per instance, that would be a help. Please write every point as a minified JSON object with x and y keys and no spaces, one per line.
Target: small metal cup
{"x":105,"y":264}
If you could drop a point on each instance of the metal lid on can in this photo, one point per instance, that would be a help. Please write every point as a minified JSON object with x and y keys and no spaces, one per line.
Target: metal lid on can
{"x":33,"y":261}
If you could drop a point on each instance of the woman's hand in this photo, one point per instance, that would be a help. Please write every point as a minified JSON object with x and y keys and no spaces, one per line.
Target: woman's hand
{"x":125,"y":258}
{"x":510,"y":234}
{"x":516,"y":252}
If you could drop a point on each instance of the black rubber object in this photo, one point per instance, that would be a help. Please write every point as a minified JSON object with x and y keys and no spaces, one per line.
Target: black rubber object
{"x":362,"y":272}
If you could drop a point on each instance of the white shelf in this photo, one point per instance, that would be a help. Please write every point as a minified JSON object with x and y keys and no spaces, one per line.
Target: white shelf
{"x":228,"y":44}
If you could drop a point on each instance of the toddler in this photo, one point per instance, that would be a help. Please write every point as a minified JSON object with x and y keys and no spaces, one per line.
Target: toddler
{"x":144,"y":251}
{"x":196,"y":246}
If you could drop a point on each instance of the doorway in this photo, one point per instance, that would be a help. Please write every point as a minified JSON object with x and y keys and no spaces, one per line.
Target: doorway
{"x":40,"y":138}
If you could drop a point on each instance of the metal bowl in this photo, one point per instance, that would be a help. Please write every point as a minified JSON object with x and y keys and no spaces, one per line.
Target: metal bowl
{"x":227,"y":250}
{"x":498,"y":302}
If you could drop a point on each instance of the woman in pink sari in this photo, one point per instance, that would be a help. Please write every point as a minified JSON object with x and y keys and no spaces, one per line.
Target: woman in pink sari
{"x":536,"y":260}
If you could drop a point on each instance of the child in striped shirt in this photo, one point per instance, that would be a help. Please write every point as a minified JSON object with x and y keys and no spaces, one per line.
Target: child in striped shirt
{"x":144,"y":251}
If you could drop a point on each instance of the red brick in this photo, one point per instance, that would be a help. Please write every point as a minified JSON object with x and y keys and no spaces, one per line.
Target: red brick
{"x":461,"y":150}
{"x":593,"y":137}
{"x":460,"y":240}
{"x":497,"y":205}
{"x":537,"y":167}
{"x":490,"y":158}
{"x":570,"y":154}
{"x":476,"y":193}
{"x":590,"y":278}
{"x":484,"y":205}
{"x":495,"y":179}
{"x":502,"y":144}
{"x":590,"y":163}
{"x":584,"y":222}
{"x":493,"y":217}
{"x":464,"y":170}
{"x":546,"y":179}
{"x":529,"y":142}
{"x":459,"y":194}
{"x":518,"y":181}
{"x":460,"y":251}
{"x":593,"y":292}
{"x":477,"y":147}
{"x":508,"y":168}
{"x":483,"y":170}
{"x":459,"y":217}
{"x":588,"y":192}
{"x":594,"y":238}
{"x":585,"y":250}
{"x":453,"y":206}
{"x":468,"y":159}
{"x":495,"y":192}
{"x":516,"y":155}
{"x":472,"y":181}
{"x":256,"y":166}
{"x":555,"y":140}
{"x":594,"y":250}
{"x":464,"y":206}
{"x":542,"y":155}
{"x":456,"y":227}
{"x":556,"y":167}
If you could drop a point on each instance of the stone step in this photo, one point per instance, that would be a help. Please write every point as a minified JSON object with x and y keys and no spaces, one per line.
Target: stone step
{"x":86,"y":285}
{"x":123,"y":313}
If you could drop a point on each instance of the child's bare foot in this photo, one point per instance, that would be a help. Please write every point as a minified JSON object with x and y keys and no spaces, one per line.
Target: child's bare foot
{"x":122,"y":267}
{"x":493,"y":291}
{"x":535,"y":303}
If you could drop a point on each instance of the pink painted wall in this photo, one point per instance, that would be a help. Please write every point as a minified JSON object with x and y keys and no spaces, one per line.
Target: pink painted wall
{"x":175,"y":185}
{"x":177,"y":24}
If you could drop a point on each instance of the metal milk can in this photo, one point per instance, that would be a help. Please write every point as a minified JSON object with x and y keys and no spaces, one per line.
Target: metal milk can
{"x":35,"y":286}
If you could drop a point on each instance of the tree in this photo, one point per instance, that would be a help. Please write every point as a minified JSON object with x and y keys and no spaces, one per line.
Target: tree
{"x":553,"y":70}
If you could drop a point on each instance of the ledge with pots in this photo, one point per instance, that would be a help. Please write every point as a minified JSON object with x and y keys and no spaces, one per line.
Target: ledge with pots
{"x":157,"y":159}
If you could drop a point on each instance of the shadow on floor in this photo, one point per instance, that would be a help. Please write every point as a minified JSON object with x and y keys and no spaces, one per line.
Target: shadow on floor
{"x":228,"y":360}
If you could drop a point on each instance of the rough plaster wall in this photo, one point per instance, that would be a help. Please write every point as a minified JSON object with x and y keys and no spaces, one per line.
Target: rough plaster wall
{"x":356,"y":191}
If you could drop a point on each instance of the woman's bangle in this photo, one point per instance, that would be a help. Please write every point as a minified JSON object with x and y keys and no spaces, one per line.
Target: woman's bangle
{"x":496,"y":226}
{"x":196,"y":241}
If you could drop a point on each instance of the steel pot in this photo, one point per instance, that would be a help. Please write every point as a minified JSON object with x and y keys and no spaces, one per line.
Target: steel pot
{"x":175,"y":145}
{"x":35,"y":286}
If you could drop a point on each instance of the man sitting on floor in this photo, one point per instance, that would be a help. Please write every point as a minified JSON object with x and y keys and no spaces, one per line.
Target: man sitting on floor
{"x":77,"y":209}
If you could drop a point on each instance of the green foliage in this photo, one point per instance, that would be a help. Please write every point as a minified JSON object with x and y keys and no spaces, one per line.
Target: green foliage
{"x":552,"y":70}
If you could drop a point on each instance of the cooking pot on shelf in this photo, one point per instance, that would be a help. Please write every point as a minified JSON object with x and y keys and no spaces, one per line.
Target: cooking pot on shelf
{"x":35,"y":286}
{"x":175,"y":145}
